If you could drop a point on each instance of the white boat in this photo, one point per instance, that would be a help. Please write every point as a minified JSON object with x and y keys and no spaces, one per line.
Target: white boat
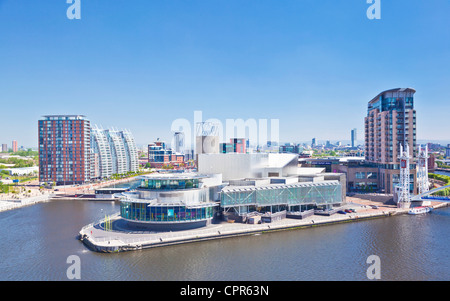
{"x":419,"y":210}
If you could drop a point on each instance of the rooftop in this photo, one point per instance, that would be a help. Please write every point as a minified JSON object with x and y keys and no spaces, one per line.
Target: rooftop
{"x":64,"y":117}
{"x":173,"y":176}
{"x":376,"y":98}
{"x":279,"y":186}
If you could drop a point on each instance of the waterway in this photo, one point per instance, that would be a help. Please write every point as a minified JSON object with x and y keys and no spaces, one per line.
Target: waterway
{"x":37,"y":240}
{"x":445,"y":173}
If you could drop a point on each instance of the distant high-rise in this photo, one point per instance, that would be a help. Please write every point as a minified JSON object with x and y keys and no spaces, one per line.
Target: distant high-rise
{"x":178,"y":138}
{"x":64,"y":149}
{"x":236,"y":145}
{"x":354,"y":137}
{"x":160,"y":156}
{"x":14,"y":146}
{"x":447,"y":152}
{"x":239,"y":145}
{"x":4,"y":148}
{"x":390,"y":122}
{"x":313,"y":143}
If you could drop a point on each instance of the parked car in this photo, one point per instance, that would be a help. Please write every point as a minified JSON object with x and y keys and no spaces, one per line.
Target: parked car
{"x":348,"y":210}
{"x":374,"y":207}
{"x":341,"y":212}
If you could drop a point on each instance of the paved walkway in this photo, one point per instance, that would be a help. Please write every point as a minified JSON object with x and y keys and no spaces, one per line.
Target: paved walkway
{"x":120,"y":236}
{"x":14,"y":204}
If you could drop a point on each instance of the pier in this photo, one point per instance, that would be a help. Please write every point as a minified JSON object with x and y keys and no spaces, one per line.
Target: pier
{"x":118,"y":239}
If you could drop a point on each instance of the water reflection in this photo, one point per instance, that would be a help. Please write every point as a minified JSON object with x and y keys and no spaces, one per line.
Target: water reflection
{"x":37,"y":240}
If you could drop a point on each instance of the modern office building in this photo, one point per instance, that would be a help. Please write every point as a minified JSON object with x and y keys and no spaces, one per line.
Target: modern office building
{"x":354,"y":137}
{"x":272,"y":184}
{"x":447,"y":152}
{"x":113,"y":152}
{"x":225,"y":148}
{"x":359,"y":175}
{"x":4,"y":148}
{"x":239,"y":145}
{"x":279,"y":196}
{"x":391,"y":122}
{"x":14,"y":146}
{"x":160,"y":156}
{"x":172,"y":201}
{"x":64,"y":149}
{"x":291,"y":148}
{"x":236,"y":145}
{"x":178,"y":139}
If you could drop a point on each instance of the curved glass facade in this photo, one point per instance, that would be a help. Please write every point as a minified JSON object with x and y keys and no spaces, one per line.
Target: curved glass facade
{"x":169,"y":184}
{"x":141,"y":211}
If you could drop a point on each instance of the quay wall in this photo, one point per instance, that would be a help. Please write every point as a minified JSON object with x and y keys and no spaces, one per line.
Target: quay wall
{"x":9,"y":205}
{"x":116,"y":245}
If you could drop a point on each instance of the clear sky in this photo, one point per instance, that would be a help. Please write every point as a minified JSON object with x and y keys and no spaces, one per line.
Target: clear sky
{"x":141,"y":64}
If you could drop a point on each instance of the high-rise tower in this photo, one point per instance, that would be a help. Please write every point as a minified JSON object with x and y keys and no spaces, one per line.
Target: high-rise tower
{"x":354,"y":137}
{"x":391,"y":122}
{"x":64,"y":149}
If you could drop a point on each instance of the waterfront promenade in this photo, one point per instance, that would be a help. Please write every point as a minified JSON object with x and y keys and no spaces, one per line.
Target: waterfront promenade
{"x":31,"y":193}
{"x":119,"y":239}
{"x":9,"y":204}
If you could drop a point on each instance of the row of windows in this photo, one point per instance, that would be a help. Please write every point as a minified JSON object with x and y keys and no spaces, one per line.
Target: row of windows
{"x":170,"y":184}
{"x":364,"y":175}
{"x":142,"y":212}
{"x":329,"y":194}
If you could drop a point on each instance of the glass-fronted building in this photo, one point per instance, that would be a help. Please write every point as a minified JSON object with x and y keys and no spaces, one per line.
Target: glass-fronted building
{"x":172,"y":201}
{"x":275,"y":198}
{"x":391,"y":123}
{"x":144,"y":211}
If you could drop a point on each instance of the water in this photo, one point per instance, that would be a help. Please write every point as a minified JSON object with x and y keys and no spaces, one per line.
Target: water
{"x":445,"y":173}
{"x":131,"y":184}
{"x":37,"y":240}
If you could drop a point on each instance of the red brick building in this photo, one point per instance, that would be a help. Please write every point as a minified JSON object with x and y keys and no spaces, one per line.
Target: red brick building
{"x":64,"y":149}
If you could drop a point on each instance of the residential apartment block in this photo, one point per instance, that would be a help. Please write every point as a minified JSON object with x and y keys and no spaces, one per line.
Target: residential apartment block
{"x":64,"y":149}
{"x":391,"y":122}
{"x":71,"y":152}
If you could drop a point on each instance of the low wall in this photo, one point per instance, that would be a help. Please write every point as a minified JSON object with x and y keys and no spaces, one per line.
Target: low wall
{"x":9,"y":205}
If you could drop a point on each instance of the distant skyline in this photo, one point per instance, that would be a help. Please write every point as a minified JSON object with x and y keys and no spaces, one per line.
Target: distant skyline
{"x":139,"y":65}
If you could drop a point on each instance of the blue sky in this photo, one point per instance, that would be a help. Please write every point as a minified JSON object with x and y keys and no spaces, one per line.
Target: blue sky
{"x":140,"y":64}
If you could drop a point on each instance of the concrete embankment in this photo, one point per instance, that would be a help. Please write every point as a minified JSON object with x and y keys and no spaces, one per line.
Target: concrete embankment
{"x":96,"y":239}
{"x":15,"y":204}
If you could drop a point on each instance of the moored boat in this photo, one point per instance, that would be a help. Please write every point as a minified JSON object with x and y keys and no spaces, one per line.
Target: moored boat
{"x":419,"y":210}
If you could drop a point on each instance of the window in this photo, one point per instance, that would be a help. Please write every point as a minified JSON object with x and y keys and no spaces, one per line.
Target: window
{"x":360,"y":175}
{"x":372,"y":175}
